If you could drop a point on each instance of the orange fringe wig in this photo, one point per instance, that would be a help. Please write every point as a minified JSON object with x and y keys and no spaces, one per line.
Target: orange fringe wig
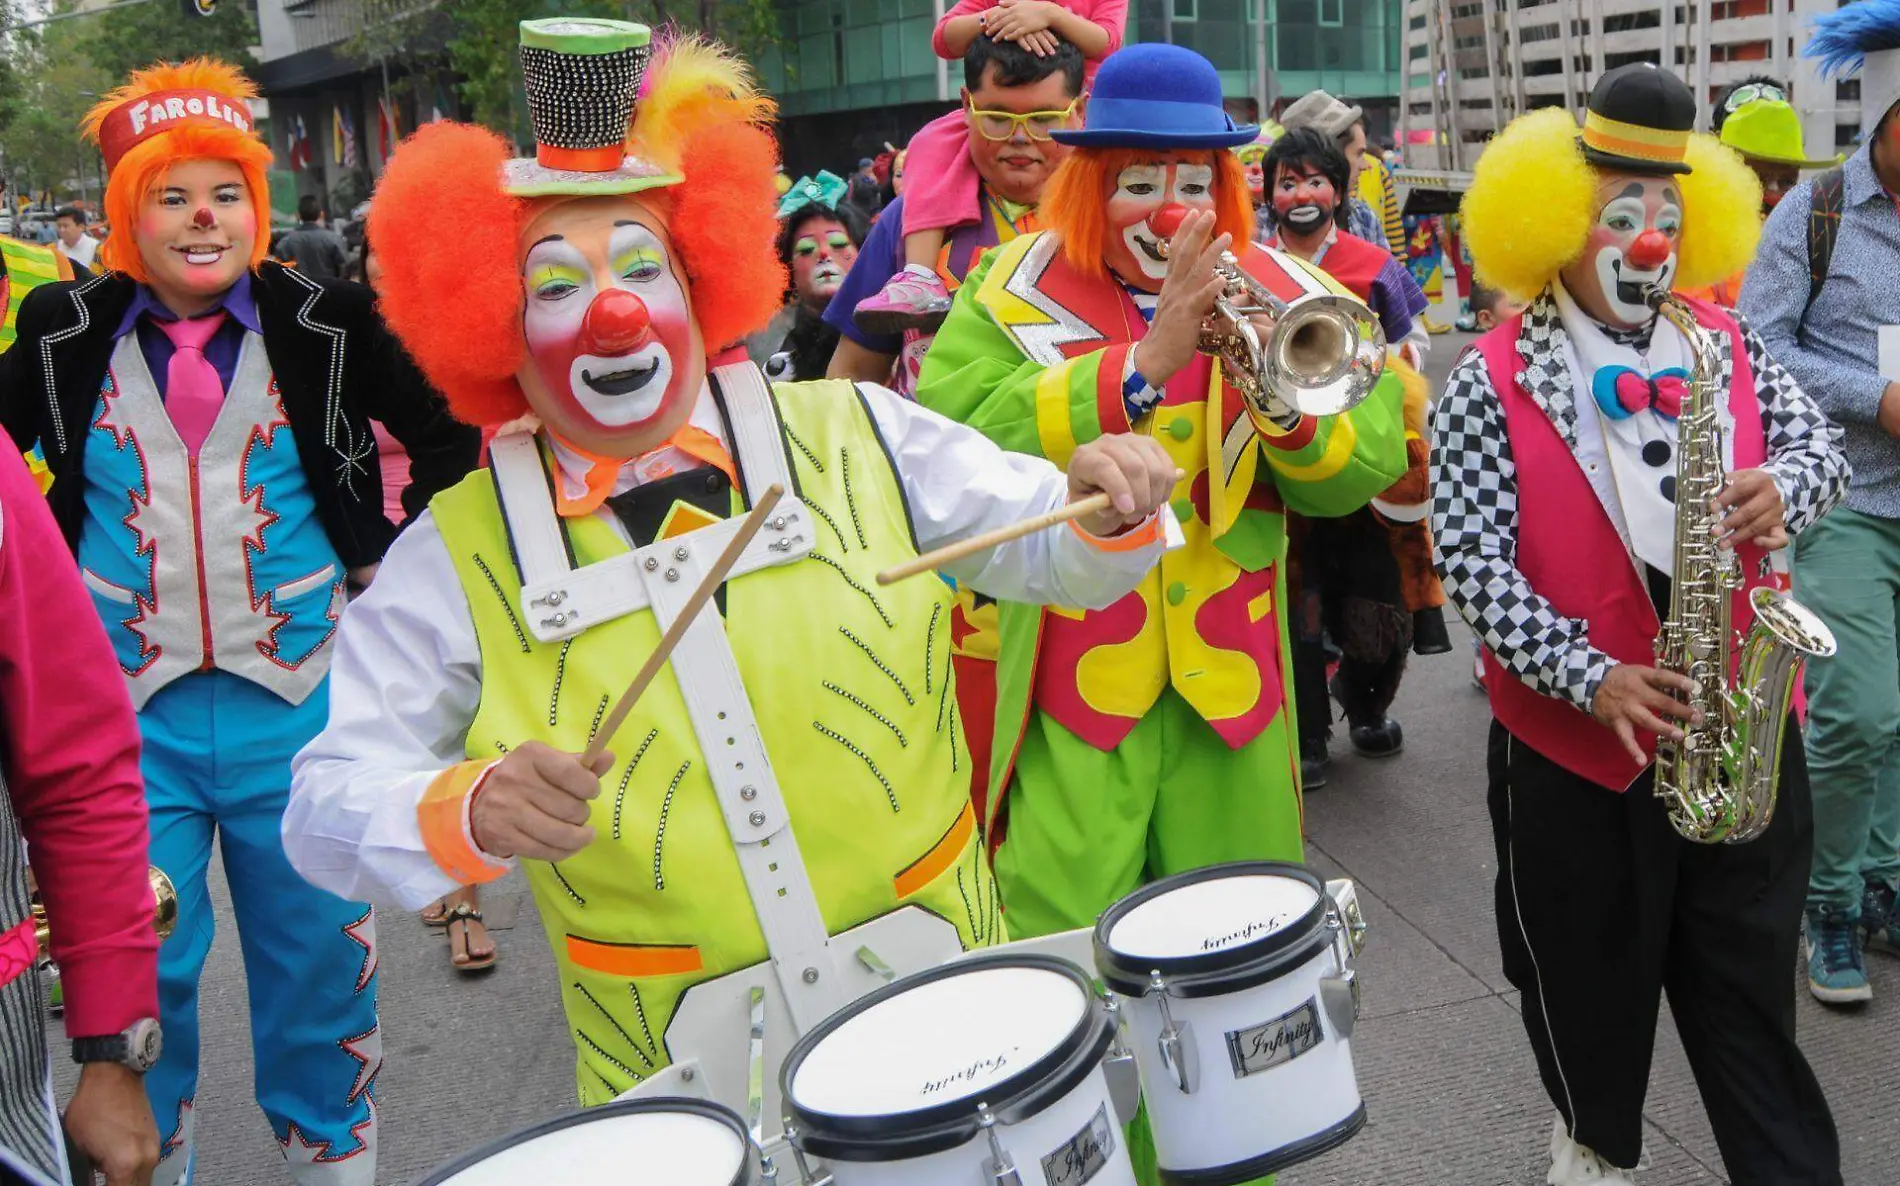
{"x":1075,"y":203}
{"x":456,"y":299}
{"x":142,"y":171}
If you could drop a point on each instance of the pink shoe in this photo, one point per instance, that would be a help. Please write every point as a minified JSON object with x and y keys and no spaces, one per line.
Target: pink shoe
{"x":908,"y":300}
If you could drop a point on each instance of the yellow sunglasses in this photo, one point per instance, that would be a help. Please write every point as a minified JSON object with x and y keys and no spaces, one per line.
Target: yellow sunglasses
{"x":1002,"y":125}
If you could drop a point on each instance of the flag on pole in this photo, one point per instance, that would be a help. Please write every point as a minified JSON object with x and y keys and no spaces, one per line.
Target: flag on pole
{"x":439,"y":106}
{"x":303,"y":153}
{"x":343,"y":137}
{"x":387,"y":131}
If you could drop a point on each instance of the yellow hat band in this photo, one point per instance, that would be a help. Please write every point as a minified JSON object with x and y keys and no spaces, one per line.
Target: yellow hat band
{"x":1634,"y":140}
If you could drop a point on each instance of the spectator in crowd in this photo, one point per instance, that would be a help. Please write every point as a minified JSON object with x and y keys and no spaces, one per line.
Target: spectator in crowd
{"x":313,"y":248}
{"x":1821,"y":293}
{"x":866,"y":191}
{"x":1346,"y":124}
{"x":70,"y":225}
{"x":946,"y":177}
{"x":819,"y":236}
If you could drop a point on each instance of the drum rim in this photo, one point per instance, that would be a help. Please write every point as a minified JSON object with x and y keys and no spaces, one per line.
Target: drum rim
{"x":953,"y":1123}
{"x":1214,"y":973}
{"x":750,"y":1168}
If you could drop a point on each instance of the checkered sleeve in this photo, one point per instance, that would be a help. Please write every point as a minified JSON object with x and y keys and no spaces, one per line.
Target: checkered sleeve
{"x":1804,"y":446}
{"x":1474,"y":527}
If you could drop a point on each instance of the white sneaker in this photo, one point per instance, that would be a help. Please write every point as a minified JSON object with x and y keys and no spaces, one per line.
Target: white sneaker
{"x":1573,"y":1165}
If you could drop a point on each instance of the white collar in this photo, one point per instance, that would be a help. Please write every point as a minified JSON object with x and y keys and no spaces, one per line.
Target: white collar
{"x":637,"y":471}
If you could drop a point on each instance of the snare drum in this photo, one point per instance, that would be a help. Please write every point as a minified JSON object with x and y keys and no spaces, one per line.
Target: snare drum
{"x":1240,"y":1007}
{"x":962,"y":1074}
{"x":653,"y":1142}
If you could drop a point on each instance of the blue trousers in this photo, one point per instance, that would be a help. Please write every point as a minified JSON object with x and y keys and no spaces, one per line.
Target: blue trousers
{"x":217,"y":752}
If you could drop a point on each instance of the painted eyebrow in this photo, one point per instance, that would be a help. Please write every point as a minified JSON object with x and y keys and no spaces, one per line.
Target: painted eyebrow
{"x":547,"y":239}
{"x":1632,"y":190}
{"x":1670,"y":194}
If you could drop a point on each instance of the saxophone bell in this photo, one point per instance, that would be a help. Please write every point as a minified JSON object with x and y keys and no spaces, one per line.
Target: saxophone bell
{"x":164,"y":910}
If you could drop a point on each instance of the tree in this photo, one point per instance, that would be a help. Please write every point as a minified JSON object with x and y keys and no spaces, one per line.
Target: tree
{"x":479,"y":38}
{"x":56,"y":85}
{"x":122,"y":40}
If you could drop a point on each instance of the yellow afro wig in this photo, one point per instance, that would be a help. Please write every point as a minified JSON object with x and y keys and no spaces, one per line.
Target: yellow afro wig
{"x":1533,"y":198}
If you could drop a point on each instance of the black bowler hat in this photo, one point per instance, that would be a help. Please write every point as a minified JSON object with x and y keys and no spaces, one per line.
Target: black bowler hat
{"x":1639,"y":120}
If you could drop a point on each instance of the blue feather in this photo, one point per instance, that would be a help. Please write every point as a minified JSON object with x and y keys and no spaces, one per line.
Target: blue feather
{"x":1841,"y":39}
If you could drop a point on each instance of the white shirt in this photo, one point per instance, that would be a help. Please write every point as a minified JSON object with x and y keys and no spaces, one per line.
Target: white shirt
{"x":84,"y":251}
{"x":406,"y":676}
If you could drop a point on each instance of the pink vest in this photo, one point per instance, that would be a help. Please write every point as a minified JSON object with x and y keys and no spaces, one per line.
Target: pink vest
{"x":1570,"y":552}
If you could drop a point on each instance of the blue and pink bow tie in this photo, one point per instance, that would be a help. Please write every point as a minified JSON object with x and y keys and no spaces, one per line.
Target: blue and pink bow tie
{"x":1622,"y":392}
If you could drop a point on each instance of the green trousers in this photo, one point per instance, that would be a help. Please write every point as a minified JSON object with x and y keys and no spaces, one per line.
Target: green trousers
{"x":1086,"y":826}
{"x":1847,"y":569}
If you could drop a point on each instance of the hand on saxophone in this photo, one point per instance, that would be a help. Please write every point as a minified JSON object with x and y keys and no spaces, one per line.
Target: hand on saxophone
{"x":1632,"y":697}
{"x":1752,"y":511}
{"x":1186,"y":298}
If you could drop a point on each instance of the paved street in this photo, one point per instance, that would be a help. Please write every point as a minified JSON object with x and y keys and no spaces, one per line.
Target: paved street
{"x":1449,"y":1081}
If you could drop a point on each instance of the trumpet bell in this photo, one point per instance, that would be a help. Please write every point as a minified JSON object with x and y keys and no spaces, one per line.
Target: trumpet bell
{"x":1325,"y":354}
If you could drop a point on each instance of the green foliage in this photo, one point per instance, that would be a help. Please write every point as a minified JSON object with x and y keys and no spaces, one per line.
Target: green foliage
{"x":56,"y":84}
{"x":121,"y":40}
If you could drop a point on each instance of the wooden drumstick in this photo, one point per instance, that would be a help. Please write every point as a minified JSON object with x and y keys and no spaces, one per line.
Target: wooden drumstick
{"x":715,"y":576}
{"x":931,"y":561}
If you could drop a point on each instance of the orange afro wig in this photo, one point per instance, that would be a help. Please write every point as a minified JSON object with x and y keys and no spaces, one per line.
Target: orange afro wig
{"x":142,"y":170}
{"x":456,"y":300}
{"x":1075,"y":203}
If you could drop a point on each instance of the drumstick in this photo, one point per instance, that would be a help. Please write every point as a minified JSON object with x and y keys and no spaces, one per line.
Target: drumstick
{"x":714,"y":577}
{"x":998,"y":536}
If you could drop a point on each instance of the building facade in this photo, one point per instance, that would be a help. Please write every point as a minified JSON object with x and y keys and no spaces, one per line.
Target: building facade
{"x":855,"y":75}
{"x":1471,"y":65}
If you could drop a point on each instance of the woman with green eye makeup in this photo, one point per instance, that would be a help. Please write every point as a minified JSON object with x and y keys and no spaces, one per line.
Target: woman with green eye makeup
{"x":819,"y":236}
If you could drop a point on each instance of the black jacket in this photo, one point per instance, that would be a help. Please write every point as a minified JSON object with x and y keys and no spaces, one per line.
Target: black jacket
{"x":336,"y":366}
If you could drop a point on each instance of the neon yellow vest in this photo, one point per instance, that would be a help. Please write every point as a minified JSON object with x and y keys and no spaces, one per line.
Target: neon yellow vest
{"x":851,"y":685}
{"x":28,"y":266}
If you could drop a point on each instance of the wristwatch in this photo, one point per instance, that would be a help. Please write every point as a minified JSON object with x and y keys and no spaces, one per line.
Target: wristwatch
{"x":136,"y":1049}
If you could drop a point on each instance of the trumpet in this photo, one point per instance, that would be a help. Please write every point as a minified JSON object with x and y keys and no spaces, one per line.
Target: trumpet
{"x":1323,"y":355}
{"x":164,"y":910}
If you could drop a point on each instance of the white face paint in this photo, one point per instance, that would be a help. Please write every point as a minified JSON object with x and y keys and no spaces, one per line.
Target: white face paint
{"x":1193,"y":184}
{"x":1140,"y":191}
{"x":1619,"y":223}
{"x":619,"y":390}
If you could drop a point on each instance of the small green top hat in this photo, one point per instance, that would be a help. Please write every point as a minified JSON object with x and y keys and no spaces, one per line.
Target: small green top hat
{"x":582,"y":78}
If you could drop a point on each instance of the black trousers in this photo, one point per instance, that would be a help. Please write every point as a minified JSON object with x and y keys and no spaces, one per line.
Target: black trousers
{"x":1347,"y":585}
{"x":1602,"y":907}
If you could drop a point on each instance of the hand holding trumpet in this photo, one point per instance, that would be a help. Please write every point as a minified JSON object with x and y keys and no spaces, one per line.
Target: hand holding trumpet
{"x":1187,"y":295}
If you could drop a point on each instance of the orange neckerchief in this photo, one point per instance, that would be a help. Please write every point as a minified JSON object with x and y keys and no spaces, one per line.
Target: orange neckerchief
{"x":693,"y":441}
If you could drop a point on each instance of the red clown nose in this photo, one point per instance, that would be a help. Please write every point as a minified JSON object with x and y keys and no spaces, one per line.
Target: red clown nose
{"x":1649,"y":252}
{"x":616,"y":323}
{"x":1167,"y":220}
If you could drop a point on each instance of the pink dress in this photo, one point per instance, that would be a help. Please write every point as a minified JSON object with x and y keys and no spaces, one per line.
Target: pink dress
{"x":395,"y":463}
{"x":941,"y":186}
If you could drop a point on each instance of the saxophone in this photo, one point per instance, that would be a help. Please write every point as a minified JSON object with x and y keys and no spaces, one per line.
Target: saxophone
{"x":1720,"y":779}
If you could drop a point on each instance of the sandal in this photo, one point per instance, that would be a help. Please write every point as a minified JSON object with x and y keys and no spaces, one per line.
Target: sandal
{"x":460,"y":958}
{"x":435,"y":914}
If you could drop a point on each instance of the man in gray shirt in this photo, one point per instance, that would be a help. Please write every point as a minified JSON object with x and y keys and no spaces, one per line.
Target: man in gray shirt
{"x":1837,"y":329}
{"x":314,"y":249}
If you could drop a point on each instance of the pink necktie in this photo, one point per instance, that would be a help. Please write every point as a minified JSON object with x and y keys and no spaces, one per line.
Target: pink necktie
{"x":193,"y":391}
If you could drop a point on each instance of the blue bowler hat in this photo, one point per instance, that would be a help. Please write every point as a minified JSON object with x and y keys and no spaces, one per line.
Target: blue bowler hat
{"x":1153,"y":95}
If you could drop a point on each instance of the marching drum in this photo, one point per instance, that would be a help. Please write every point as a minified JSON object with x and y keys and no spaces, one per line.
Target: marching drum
{"x":1240,"y":1007}
{"x":985,"y":1070}
{"x":649,"y":1142}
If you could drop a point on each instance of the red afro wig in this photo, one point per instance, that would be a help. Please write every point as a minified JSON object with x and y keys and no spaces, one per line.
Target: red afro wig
{"x":456,"y":299}
{"x":1075,"y":205}
{"x":143,"y":169}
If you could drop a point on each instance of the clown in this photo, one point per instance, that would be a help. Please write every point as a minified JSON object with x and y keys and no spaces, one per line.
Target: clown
{"x":203,"y":413}
{"x":1554,"y":511}
{"x":1150,"y":737}
{"x":787,"y":806}
{"x":1365,"y":578}
{"x":819,"y":235}
{"x":1252,"y":157}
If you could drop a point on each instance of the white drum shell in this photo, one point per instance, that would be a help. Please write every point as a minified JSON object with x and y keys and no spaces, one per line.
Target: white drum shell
{"x":1230,"y":1118}
{"x":1047,"y":1133}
